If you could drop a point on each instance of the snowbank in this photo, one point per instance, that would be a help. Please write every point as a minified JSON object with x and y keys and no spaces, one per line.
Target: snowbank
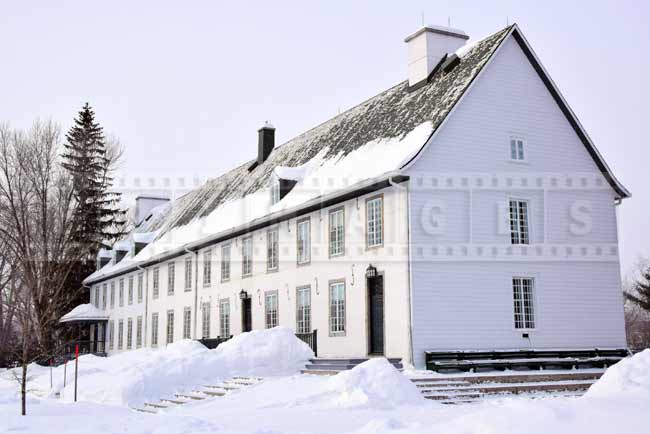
{"x":374,"y":383}
{"x":133,"y":377}
{"x":630,"y":376}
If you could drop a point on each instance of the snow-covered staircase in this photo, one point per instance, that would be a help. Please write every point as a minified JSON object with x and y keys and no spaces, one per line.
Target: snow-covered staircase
{"x":322,"y":366}
{"x":207,"y":391}
{"x":455,"y":389}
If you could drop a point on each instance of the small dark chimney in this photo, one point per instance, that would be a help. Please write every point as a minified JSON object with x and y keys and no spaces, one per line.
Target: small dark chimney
{"x":265,"y":142}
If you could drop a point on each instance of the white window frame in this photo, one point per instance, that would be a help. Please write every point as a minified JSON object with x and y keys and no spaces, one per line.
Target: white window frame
{"x":187,"y":322}
{"x":120,"y":334}
{"x":207,"y":268}
{"x":375,"y":222}
{"x":138,"y":332}
{"x":129,"y":333}
{"x":336,"y":232}
{"x":517,"y":149}
{"x":523,"y":295}
{"x":121,"y":292}
{"x":156,"y":282}
{"x":205,"y":320}
{"x":271,"y":309}
{"x":275,"y":190}
{"x":247,"y":256}
{"x":303,"y":241}
{"x":104,"y":298}
{"x":154,"y":329}
{"x":130,"y":292}
{"x":170,"y":327}
{"x":140,"y":286}
{"x":303,"y":310}
{"x":226,"y":251}
{"x":188,"y":273}
{"x":224,"y":317}
{"x":337,"y":308}
{"x":113,"y":294}
{"x":111,"y":334}
{"x":171,"y":277}
{"x":272,"y":249}
{"x":519,"y":227}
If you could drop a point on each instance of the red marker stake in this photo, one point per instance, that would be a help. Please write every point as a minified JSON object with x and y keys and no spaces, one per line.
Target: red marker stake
{"x":76,"y":367}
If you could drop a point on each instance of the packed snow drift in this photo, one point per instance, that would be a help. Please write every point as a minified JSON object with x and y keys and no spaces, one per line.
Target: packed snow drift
{"x":630,"y":377}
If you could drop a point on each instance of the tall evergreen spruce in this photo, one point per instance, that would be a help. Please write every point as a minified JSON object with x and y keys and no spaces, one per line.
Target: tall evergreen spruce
{"x":642,"y":289}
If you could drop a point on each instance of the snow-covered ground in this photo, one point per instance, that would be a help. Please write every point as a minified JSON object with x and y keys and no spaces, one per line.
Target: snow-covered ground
{"x":372,"y":398}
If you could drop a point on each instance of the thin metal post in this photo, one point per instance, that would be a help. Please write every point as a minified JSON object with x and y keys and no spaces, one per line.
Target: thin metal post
{"x":76,"y":368}
{"x":65,"y":366}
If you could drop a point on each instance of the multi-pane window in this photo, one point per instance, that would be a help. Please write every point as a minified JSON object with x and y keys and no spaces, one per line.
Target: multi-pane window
{"x":120,"y":334}
{"x":130,"y":289}
{"x":170,"y":326}
{"x":138,"y":332}
{"x":517,"y":149}
{"x":140,"y":286}
{"x":112,"y":295}
{"x":171,"y":271}
{"x":272,"y":249}
{"x":188,"y":273}
{"x":205,"y":320}
{"x":225,"y":262}
{"x":187,"y":323}
{"x":156,"y":282}
{"x":271,"y":309}
{"x":111,"y":334}
{"x":524,"y":310}
{"x":519,"y":222}
{"x":374,"y":222}
{"x":129,"y":333}
{"x":303,"y":310}
{"x":154,"y":329}
{"x":275,"y":190}
{"x":224,"y":317}
{"x":104,"y":290}
{"x":304,"y":241}
{"x":337,"y":308}
{"x":247,"y":256}
{"x":121,"y":295}
{"x":207,"y":268}
{"x":337,"y":232}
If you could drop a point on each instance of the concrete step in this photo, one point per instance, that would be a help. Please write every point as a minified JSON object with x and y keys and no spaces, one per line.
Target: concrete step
{"x":528,"y":377}
{"x":156,"y":405}
{"x":173,"y":401}
{"x":190,"y":396}
{"x":145,"y":410}
{"x":213,"y":393}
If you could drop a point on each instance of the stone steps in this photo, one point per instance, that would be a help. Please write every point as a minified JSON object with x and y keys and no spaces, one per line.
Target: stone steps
{"x":323,"y":366}
{"x":205,"y":392}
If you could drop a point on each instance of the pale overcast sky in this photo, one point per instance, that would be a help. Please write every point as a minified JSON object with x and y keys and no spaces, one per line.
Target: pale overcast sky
{"x":185,"y":85}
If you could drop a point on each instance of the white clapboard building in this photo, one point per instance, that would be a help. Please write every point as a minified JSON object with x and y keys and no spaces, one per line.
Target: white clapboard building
{"x":465,"y":208}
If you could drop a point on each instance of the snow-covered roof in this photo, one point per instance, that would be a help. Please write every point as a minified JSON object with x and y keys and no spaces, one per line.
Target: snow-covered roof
{"x":84,"y":312}
{"x":388,"y":130}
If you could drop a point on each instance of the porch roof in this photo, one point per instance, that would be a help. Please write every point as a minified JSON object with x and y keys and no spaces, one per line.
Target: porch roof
{"x":84,"y":313}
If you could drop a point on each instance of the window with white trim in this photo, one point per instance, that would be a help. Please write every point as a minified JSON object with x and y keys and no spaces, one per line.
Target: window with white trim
{"x":374,"y":222}
{"x":304,"y":241}
{"x":517,"y":149}
{"x":129,"y":333}
{"x":112,"y":294}
{"x":130,"y":298}
{"x":225,"y":262}
{"x":224,"y":317}
{"x":156,"y":282}
{"x":337,"y":232}
{"x":303,"y":309}
{"x":104,"y":290}
{"x":170,"y":326}
{"x":138,"y":332}
{"x":171,"y":277}
{"x":519,"y":222}
{"x":154,"y":329}
{"x":275,"y":190}
{"x":188,"y":273}
{"x":337,"y":308}
{"x":207,"y":268}
{"x":272,"y":249}
{"x":187,"y":323}
{"x":140,"y":286}
{"x":111,"y":334}
{"x":524,"y":309}
{"x":271,"y":309}
{"x":121,"y":295}
{"x":120,"y":334}
{"x":247,"y":256}
{"x":205,"y":320}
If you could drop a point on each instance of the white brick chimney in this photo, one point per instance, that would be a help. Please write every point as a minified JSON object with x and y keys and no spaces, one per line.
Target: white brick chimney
{"x":427,"y":46}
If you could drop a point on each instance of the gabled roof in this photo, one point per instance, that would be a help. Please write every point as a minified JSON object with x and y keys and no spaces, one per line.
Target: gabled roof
{"x":390,"y":128}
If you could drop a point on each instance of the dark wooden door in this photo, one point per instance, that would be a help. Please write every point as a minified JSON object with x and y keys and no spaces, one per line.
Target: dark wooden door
{"x":247,"y":317}
{"x":376,"y":313}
